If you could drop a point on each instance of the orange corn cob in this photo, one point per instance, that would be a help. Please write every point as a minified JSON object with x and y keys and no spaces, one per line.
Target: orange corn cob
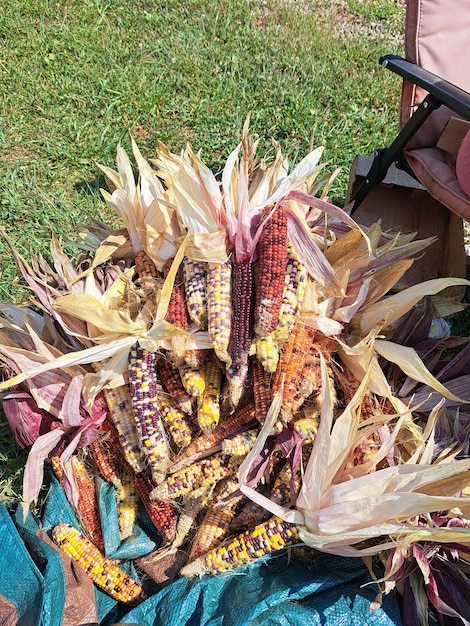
{"x":102,"y":455}
{"x":219,"y":308}
{"x":121,"y":413}
{"x":264,"y":539}
{"x":202,"y":474}
{"x":241,"y":420}
{"x":299,"y":367}
{"x":143,"y":383}
{"x":241,"y":329}
{"x":262,"y":383}
{"x":88,"y":507}
{"x":175,"y":421}
{"x":195,"y":287}
{"x":215,"y":525}
{"x":208,"y":412}
{"x":171,"y":380}
{"x":177,"y":312}
{"x":271,"y":270}
{"x":104,"y":572}
{"x":58,"y":469}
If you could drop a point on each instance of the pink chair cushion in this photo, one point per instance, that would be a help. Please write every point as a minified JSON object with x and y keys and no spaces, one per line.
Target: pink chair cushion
{"x":462,"y":164}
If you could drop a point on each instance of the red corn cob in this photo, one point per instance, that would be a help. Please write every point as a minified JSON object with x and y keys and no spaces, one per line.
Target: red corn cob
{"x":149,"y":278}
{"x":102,"y":455}
{"x":241,"y":330}
{"x":270,"y":270}
{"x":262,"y":384}
{"x":171,"y":380}
{"x":177,"y":313}
{"x":88,"y":508}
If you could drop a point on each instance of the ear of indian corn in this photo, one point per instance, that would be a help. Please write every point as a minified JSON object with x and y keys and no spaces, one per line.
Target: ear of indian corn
{"x":195,"y":286}
{"x":241,"y":444}
{"x":102,"y":454}
{"x":143,"y":384}
{"x":293,"y":293}
{"x":88,"y":508}
{"x":208,"y":412}
{"x":177,"y":314}
{"x":215,"y":524}
{"x":219,"y":308}
{"x":121,"y":413}
{"x":251,"y":514}
{"x":299,"y":368}
{"x":264,"y":539}
{"x":241,"y":330}
{"x":267,"y":352}
{"x":201,"y":474}
{"x":150,"y":280}
{"x":163,"y":515}
{"x":262,"y":383}
{"x":127,"y":502}
{"x":229,"y":426}
{"x":175,"y":421}
{"x":192,"y":379}
{"x":170,"y":378}
{"x":104,"y":572}
{"x":270,"y":270}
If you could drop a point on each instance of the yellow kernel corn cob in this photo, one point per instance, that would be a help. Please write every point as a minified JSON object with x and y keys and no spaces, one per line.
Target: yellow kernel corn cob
{"x":119,"y":402}
{"x":87,"y":507}
{"x":307,"y":427}
{"x":175,"y":421}
{"x":241,"y":444}
{"x":219,"y":308}
{"x":215,"y":524}
{"x":292,"y":296}
{"x":195,"y":287}
{"x":104,"y":572}
{"x":264,"y":539}
{"x":184,"y":482}
{"x":208,"y":412}
{"x":193,"y":380}
{"x":127,"y":505}
{"x":143,"y":383}
{"x":267,"y":352}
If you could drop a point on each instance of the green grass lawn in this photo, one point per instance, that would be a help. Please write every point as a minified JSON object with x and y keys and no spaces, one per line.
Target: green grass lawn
{"x":77,"y":76}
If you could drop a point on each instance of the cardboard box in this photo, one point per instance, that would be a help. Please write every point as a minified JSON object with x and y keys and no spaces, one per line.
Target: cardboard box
{"x":401,"y":203}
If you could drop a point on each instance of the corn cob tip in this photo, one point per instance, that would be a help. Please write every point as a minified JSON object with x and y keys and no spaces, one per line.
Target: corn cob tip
{"x":197,"y":567}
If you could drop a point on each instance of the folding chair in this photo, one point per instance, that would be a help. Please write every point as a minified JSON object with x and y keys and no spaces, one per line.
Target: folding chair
{"x":435,"y":105}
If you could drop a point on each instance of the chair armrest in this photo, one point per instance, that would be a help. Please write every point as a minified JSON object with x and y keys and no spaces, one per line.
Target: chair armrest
{"x":453,"y":97}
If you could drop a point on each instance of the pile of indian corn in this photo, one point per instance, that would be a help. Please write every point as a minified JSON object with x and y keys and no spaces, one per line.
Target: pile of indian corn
{"x":219,"y":361}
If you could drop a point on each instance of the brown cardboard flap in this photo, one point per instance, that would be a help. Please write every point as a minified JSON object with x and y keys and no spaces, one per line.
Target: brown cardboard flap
{"x":453,"y":133}
{"x":407,"y":207}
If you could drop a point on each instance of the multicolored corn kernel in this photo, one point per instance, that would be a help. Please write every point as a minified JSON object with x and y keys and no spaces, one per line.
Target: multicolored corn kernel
{"x":202,"y":474}
{"x":121,"y":412}
{"x":215,"y":524}
{"x":104,"y":572}
{"x":264,"y":539}
{"x":227,"y":427}
{"x":143,"y":384}
{"x":193,"y":380}
{"x":208,"y":412}
{"x":293,"y":294}
{"x":241,"y":444}
{"x":219,"y":308}
{"x":175,"y":421}
{"x":267,"y":352}
{"x":270,"y":270}
{"x":150,"y":280}
{"x":170,"y":379}
{"x":195,"y":286}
